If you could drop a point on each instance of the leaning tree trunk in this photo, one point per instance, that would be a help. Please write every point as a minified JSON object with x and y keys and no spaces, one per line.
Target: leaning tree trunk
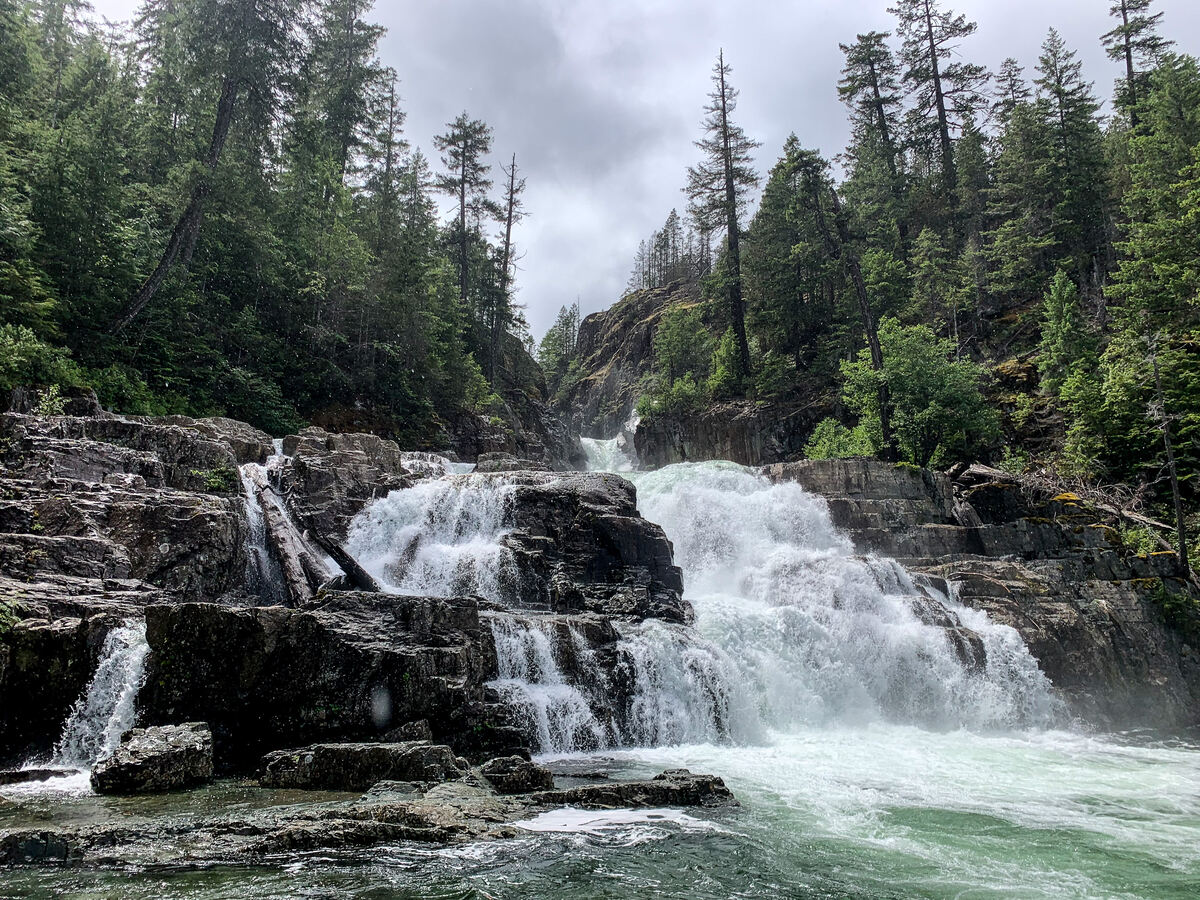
{"x":183,"y":236}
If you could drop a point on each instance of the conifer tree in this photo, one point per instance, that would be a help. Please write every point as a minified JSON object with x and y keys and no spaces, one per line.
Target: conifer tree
{"x":719,"y":188}
{"x":1137,"y":43}
{"x":944,"y":89}
{"x":464,"y":146}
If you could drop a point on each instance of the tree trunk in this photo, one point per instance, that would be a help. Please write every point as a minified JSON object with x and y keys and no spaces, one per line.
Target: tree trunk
{"x":1129,"y":74}
{"x":1172,"y":470}
{"x":839,"y":248}
{"x":940,"y":100}
{"x":462,"y":229}
{"x":183,"y":237}
{"x":500,"y":318}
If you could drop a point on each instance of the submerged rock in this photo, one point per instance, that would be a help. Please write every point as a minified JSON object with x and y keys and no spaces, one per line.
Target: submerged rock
{"x":356,"y":767}
{"x":158,"y":759}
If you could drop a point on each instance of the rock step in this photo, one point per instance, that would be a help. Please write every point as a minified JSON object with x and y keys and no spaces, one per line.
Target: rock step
{"x":29,"y":555}
{"x":358,"y":766}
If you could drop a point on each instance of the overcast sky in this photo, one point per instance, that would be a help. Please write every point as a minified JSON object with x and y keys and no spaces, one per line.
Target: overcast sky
{"x":601,"y":99}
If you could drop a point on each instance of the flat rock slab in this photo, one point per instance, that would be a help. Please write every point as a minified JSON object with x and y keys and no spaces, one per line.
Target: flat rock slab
{"x":154,"y":760}
{"x":517,"y":775}
{"x":449,"y":813}
{"x":358,"y":766}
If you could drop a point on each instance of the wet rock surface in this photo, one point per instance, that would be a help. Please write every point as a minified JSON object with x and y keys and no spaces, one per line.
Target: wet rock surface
{"x":258,"y":822}
{"x":582,"y":546}
{"x":352,"y":666}
{"x":516,"y":775}
{"x":358,"y":766}
{"x":153,"y":760}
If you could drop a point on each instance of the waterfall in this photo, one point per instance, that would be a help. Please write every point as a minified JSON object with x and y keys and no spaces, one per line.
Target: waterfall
{"x":793,"y":628}
{"x":106,"y":710}
{"x":685,"y":689}
{"x":824,"y":636}
{"x":607,"y":455}
{"x":264,"y":576}
{"x":439,"y":538}
{"x":558,"y":715}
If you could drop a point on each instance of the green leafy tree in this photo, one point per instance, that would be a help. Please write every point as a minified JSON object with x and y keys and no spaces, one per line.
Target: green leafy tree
{"x":938,"y":412}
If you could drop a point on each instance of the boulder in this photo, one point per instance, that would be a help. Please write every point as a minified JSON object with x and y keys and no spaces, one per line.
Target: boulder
{"x":674,"y":787}
{"x":356,"y":767}
{"x":158,"y":759}
{"x":352,"y":666}
{"x":581,"y":545}
{"x":516,"y":775}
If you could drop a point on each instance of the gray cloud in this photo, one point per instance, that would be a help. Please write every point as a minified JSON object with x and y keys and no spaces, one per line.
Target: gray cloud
{"x":601,"y":100}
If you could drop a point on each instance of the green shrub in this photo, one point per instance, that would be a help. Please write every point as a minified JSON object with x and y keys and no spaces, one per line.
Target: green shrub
{"x":833,"y":440}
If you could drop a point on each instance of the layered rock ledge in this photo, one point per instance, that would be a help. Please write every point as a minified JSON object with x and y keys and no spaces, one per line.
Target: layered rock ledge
{"x":1094,"y":614}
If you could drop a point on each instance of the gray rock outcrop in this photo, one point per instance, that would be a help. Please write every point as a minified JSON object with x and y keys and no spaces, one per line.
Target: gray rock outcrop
{"x":358,"y":766}
{"x":155,"y":760}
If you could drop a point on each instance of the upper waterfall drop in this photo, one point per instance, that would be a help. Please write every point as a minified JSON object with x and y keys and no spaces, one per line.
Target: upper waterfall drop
{"x":439,"y":538}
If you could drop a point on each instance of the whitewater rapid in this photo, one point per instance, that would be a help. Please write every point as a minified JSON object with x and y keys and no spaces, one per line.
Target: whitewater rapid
{"x":793,"y":628}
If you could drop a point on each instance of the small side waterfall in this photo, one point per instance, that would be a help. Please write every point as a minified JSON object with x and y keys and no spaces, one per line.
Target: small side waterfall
{"x":106,"y":710}
{"x":264,"y":576}
{"x":556,"y":713}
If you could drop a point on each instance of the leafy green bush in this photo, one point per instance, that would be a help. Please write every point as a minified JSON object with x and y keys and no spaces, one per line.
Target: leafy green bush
{"x":833,"y":440}
{"x":122,"y":389}
{"x":51,"y":401}
{"x":724,"y":380}
{"x":937,"y":411}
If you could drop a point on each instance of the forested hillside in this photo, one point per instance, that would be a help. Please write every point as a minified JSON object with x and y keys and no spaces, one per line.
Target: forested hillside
{"x":218,"y":211}
{"x":999,"y":266}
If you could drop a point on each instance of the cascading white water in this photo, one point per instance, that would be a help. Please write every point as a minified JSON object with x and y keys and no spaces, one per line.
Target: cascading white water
{"x":821,"y":635}
{"x":685,"y":689}
{"x":556,"y":713}
{"x":439,"y":538}
{"x":263,"y":574}
{"x":106,"y":710}
{"x":607,"y":455}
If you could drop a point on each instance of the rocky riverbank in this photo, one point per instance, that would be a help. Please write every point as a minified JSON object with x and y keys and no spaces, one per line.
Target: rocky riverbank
{"x":173,"y":524}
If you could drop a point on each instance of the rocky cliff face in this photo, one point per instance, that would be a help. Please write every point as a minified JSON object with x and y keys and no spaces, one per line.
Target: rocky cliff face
{"x":527,"y":426}
{"x":616,"y":348}
{"x":106,"y":519}
{"x":1095,"y":616}
{"x":749,"y":432}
